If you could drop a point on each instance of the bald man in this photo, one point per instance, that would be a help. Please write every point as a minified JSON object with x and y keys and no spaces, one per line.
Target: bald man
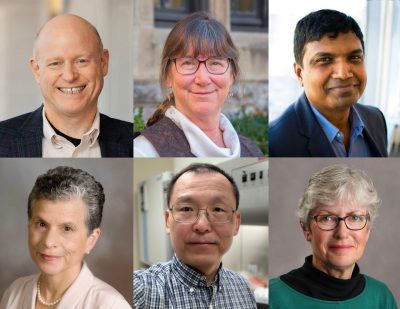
{"x":69,"y":64}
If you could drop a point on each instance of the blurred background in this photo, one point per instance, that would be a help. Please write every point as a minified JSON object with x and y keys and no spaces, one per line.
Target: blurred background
{"x":111,"y":258}
{"x":380,"y":23}
{"x":287,"y":245}
{"x":247,"y":22}
{"x":20,"y":20}
{"x":249,"y":252}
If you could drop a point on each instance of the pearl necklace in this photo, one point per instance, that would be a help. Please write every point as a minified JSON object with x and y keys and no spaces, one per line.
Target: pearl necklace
{"x":42,"y":301}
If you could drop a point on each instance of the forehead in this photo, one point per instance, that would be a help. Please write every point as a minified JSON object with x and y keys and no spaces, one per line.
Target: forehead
{"x":202,"y":186}
{"x":65,"y":36}
{"x":343,"y":43}
{"x":62,"y":210}
{"x":341,"y":207}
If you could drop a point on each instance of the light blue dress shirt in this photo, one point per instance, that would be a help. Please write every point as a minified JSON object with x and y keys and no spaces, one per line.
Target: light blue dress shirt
{"x":358,"y":146}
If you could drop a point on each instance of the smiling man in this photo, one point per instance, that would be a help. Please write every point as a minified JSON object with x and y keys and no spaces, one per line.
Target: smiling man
{"x":202,"y":219}
{"x":69,"y":65}
{"x":327,"y":121}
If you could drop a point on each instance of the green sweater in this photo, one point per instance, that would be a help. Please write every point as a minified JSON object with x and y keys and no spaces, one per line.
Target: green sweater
{"x":375,"y":295}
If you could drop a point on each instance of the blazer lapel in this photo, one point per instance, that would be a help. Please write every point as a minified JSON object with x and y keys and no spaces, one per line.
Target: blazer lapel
{"x":318,"y":144}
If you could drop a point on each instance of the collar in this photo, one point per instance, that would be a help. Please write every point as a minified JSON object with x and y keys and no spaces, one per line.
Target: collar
{"x":200,"y":144}
{"x":191,"y":278}
{"x":91,"y":135}
{"x":332,"y":131}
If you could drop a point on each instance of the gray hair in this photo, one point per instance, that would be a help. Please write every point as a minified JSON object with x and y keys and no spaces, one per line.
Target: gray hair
{"x":338,"y":183}
{"x":66,"y":183}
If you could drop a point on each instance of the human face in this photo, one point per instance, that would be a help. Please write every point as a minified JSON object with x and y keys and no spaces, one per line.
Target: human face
{"x":58,"y":236}
{"x":201,"y":244}
{"x":336,"y":252}
{"x":201,"y":95}
{"x":69,"y":67}
{"x":333,"y":72}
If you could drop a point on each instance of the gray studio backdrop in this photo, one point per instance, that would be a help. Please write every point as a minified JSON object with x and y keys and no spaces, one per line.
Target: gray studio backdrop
{"x":287,"y":246}
{"x":110,"y":260}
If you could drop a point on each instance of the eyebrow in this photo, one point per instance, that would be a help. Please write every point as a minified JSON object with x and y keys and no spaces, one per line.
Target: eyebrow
{"x":37,"y":218}
{"x":347,"y":213}
{"x":190,"y":199}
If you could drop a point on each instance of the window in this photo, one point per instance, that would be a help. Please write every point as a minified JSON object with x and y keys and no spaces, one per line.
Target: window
{"x":249,"y":15}
{"x":168,"y":12}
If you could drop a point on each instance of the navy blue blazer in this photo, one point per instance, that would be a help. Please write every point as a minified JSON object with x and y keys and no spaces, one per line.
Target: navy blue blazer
{"x":297,"y":133}
{"x":21,"y":136}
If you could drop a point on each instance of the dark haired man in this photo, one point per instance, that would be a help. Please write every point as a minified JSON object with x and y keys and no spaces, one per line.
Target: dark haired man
{"x":327,"y":121}
{"x":201,"y":219}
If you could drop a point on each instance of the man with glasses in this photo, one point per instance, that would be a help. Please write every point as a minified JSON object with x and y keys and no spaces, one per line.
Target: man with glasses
{"x":336,"y":213}
{"x":202,"y":218}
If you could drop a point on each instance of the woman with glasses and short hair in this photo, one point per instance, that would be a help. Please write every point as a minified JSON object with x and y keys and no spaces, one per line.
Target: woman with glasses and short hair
{"x":336,"y":213}
{"x":199,"y":64}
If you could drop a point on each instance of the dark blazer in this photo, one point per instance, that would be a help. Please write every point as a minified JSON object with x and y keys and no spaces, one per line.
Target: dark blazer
{"x":21,"y":136}
{"x":170,"y":141}
{"x":297,"y":133}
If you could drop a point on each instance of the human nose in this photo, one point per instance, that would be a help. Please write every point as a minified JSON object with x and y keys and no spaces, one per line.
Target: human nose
{"x":342,"y":70}
{"x":341,"y":230}
{"x":50,"y":239}
{"x":69,"y":72}
{"x":202,"y":224}
{"x":202,"y":76}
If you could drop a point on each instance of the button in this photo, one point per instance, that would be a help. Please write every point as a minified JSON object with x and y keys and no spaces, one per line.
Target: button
{"x":191,"y":290}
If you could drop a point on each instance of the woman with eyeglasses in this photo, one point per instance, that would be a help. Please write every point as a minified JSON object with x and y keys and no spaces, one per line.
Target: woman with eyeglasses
{"x":336,"y":213}
{"x":199,"y":64}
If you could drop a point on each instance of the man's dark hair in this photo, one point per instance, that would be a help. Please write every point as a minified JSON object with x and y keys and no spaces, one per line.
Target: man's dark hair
{"x":315,"y":25}
{"x":65,"y":183}
{"x":203,"y":168}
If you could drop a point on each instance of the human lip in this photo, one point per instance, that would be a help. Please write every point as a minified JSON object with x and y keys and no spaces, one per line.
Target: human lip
{"x":71,"y":90}
{"x":340,"y":247}
{"x":48,"y":257}
{"x":202,"y":242}
{"x":202,"y":93}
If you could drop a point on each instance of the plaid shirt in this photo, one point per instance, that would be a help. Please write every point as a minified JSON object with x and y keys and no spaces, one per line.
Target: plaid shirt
{"x":175,"y":285}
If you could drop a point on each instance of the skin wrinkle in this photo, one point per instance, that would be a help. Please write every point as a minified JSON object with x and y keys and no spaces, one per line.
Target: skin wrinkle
{"x":68,"y":54}
{"x":202,"y":188}
{"x":333,"y":77}
{"x":338,"y":263}
{"x":57,"y":229}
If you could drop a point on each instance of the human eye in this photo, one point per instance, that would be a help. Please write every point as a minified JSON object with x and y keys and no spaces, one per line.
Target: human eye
{"x":54,"y":64}
{"x":324,"y":60}
{"x":219,"y":209}
{"x":356,"y":218}
{"x":67,"y":228}
{"x":187,"y":61}
{"x":184,"y":208}
{"x":327,"y":218}
{"x":357,"y":58}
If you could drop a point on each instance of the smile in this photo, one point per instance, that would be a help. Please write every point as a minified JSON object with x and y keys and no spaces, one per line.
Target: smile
{"x":48,"y":258}
{"x":72,"y":90}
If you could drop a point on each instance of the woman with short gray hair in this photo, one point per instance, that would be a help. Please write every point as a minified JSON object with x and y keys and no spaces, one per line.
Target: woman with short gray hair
{"x":336,"y":212}
{"x":64,"y":213}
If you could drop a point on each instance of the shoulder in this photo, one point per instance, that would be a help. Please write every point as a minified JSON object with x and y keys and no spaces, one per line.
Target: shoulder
{"x":250,"y":148}
{"x":376,"y":285}
{"x":116,"y":124}
{"x":148,"y":284}
{"x":20,"y":291}
{"x":102,"y":294}
{"x":32,"y":120}
{"x":233,"y":279}
{"x":369,"y":113}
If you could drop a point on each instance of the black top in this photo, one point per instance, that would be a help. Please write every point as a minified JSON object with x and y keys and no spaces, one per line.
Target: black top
{"x":74,"y":141}
{"x":314,"y":283}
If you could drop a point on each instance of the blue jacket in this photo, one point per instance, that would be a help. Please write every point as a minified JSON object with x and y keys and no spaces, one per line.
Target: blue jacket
{"x":21,"y":136}
{"x":297,"y":132}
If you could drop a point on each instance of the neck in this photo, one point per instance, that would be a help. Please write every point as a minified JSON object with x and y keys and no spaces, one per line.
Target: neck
{"x":210,"y":126}
{"x":72,"y":125}
{"x":53,"y":287}
{"x":341,"y":120}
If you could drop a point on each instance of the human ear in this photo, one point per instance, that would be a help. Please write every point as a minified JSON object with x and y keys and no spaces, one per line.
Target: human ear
{"x":105,"y":56}
{"x":35,"y":69}
{"x":298,"y":71}
{"x":92,"y":240}
{"x":167,"y":216}
{"x":306,"y":231}
{"x":237,"y":220}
